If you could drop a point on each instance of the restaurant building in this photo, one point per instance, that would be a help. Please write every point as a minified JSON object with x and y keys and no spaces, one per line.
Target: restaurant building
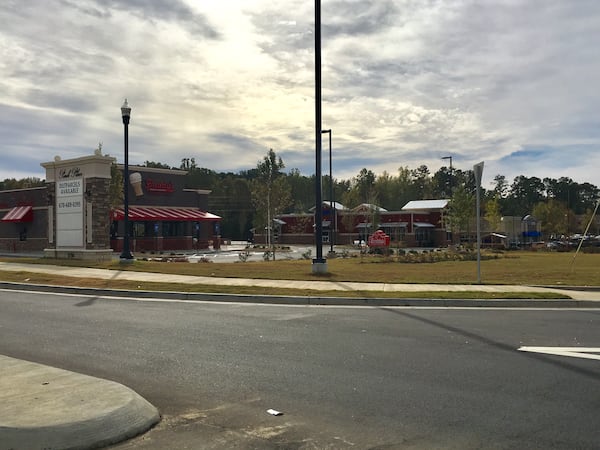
{"x":163,"y":214}
{"x":24,"y":220}
{"x":418,"y":224}
{"x":72,"y":217}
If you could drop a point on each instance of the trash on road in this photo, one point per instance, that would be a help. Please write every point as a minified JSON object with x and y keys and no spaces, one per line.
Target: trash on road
{"x":274,"y":412}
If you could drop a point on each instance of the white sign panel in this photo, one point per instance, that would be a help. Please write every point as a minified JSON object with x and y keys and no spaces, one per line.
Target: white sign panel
{"x":69,"y":212}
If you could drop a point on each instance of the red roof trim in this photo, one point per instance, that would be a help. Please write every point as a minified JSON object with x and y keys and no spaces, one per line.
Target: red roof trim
{"x":148,"y":213}
{"x":19,"y":214}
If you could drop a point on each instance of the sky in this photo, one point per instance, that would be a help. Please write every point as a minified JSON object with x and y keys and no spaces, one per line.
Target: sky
{"x":513,"y":83}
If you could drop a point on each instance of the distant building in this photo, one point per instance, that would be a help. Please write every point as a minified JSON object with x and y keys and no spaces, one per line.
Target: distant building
{"x":417,"y":224}
{"x":520,"y":231}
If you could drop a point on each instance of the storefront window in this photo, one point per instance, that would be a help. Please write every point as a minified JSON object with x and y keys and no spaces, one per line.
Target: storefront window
{"x":172,"y":229}
{"x":139,"y":229}
{"x":396,"y":234}
{"x":423,"y":236}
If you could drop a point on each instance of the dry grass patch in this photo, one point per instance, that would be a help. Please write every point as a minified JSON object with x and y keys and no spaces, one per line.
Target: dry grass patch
{"x":541,"y":268}
{"x":54,"y":280}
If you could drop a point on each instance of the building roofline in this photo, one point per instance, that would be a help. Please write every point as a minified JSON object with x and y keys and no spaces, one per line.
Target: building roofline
{"x":154,"y":169}
{"x":25,"y":189}
{"x":199,"y":191}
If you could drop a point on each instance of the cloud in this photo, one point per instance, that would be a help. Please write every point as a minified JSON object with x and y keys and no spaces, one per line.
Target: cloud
{"x":151,"y":10}
{"x":405,"y":82}
{"x":357,"y":18}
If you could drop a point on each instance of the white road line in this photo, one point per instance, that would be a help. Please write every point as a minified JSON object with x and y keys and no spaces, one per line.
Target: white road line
{"x":573,"y":352}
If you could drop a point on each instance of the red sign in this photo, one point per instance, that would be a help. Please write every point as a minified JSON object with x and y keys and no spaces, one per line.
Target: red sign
{"x":159,"y":186}
{"x":379,"y":239}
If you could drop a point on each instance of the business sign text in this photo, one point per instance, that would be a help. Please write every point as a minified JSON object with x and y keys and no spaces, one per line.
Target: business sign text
{"x":69,"y":213}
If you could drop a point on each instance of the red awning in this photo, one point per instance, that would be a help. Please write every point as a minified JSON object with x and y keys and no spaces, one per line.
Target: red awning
{"x":19,"y":214}
{"x":148,"y":213}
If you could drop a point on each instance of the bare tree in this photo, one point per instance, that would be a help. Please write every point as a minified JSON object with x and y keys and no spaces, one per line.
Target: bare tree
{"x":271,"y":193}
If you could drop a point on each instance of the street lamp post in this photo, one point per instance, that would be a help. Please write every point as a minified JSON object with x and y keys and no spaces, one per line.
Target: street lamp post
{"x":126,"y":113}
{"x":478,"y":171}
{"x":331,"y":202}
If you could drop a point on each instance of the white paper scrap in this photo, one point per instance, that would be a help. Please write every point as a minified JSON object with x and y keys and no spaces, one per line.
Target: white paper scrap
{"x":274,"y":412}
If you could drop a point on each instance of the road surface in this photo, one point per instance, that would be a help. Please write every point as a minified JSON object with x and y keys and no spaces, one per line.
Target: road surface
{"x":342,"y":377}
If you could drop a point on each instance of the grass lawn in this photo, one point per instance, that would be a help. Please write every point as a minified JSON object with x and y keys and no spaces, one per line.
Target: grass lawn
{"x":518,"y":267}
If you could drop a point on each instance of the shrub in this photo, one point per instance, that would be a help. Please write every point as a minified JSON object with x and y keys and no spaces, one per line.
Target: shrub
{"x":243,"y":256}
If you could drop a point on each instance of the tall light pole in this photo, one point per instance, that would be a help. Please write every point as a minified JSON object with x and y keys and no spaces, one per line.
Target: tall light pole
{"x":126,"y":113}
{"x":449,"y":237}
{"x":331,"y":203}
{"x":319,"y":264}
{"x":478,"y":170}
{"x":450,"y":158}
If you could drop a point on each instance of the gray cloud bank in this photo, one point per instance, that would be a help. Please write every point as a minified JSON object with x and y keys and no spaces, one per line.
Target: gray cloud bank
{"x":404,"y":83}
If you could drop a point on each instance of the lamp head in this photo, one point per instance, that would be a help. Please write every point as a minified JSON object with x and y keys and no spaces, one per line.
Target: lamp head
{"x":125,"y":110}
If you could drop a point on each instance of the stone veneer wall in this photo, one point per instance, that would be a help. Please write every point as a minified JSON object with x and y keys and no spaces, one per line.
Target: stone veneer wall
{"x":51,"y":193}
{"x":98,"y":189}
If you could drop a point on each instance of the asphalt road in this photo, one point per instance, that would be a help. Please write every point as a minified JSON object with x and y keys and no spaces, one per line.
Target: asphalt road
{"x":343,"y":377}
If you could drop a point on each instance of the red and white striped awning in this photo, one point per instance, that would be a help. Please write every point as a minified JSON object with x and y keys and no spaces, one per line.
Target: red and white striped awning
{"x":19,"y":214}
{"x":148,"y":213}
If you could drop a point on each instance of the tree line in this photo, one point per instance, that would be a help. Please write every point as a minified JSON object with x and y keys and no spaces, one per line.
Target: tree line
{"x":249,"y":199}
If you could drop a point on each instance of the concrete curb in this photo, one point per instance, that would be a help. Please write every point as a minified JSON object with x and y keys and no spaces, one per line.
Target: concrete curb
{"x":570,"y":288}
{"x":43,"y":407}
{"x":310,"y":300}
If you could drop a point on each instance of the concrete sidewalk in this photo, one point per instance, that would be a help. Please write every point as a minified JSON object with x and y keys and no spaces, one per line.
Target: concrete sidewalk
{"x":43,"y":407}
